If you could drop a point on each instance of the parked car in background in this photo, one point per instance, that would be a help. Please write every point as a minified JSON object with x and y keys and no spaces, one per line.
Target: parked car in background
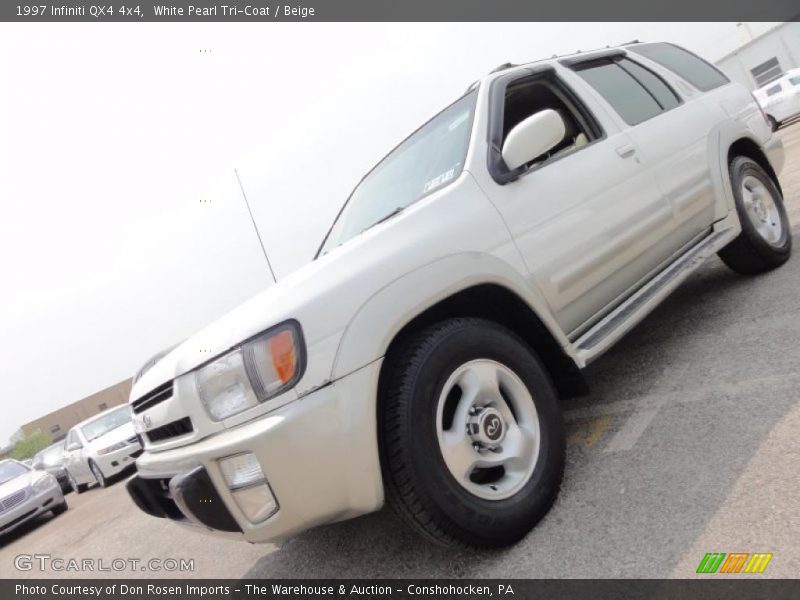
{"x":780,"y":100}
{"x":470,"y":276}
{"x":26,"y":493}
{"x":100,"y":448}
{"x":51,"y":459}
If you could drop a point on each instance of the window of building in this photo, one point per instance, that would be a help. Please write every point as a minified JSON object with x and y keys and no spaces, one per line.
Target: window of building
{"x":766,"y":72}
{"x":55,"y":429}
{"x":102,"y":406}
{"x":702,"y":75}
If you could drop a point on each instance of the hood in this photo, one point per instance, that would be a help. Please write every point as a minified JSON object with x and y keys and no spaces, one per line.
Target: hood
{"x":276,"y":304}
{"x":120,"y":434}
{"x":324,"y":295}
{"x":19,"y":483}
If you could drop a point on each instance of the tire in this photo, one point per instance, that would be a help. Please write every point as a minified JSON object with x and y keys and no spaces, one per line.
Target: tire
{"x":773,"y":124}
{"x":754,"y":251}
{"x":60,"y":509}
{"x":78,"y":488}
{"x":101,"y":479}
{"x":497,"y":509}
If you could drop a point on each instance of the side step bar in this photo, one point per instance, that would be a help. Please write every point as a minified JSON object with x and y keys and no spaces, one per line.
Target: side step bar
{"x":623,"y":318}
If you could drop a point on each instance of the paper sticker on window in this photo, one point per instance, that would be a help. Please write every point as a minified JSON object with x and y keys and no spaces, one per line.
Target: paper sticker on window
{"x":432,"y":184}
{"x":458,"y":120}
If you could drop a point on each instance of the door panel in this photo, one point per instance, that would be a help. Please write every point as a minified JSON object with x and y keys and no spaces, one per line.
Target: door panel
{"x":589,"y":225}
{"x":675,"y":145}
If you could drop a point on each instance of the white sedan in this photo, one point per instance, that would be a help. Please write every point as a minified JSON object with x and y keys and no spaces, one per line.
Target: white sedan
{"x":26,"y":493}
{"x":780,"y":100}
{"x":100,"y":448}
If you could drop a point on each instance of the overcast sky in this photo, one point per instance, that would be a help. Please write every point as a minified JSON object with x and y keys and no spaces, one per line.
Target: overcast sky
{"x":112,"y":134}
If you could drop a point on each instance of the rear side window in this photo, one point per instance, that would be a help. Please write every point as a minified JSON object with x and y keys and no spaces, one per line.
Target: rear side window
{"x":794,"y":80}
{"x":693,"y":69}
{"x":634,"y":92}
{"x":773,"y":90}
{"x":662,"y":93}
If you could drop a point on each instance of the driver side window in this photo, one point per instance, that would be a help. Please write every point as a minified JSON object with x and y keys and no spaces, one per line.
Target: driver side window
{"x":72,"y":438}
{"x":528,"y":96}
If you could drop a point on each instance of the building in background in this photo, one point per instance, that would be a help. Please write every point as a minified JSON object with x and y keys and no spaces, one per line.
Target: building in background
{"x":763,"y":59}
{"x":57,"y":423}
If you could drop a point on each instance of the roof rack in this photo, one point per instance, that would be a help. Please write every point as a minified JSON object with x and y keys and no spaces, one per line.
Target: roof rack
{"x":503,"y":67}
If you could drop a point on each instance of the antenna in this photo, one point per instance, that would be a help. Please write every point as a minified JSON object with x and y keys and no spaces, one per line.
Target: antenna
{"x":258,"y":235}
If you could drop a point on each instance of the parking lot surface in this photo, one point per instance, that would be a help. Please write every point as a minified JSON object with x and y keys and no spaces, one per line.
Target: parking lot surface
{"x":688,"y":444}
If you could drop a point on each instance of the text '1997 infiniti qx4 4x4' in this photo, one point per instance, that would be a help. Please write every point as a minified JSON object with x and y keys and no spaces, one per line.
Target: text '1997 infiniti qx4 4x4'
{"x":470,"y":276}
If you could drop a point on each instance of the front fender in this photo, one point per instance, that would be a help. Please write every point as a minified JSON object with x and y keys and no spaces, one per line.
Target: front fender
{"x":384,"y":314}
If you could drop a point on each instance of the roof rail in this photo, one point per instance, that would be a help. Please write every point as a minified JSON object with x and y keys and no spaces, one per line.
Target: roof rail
{"x":502,"y":67}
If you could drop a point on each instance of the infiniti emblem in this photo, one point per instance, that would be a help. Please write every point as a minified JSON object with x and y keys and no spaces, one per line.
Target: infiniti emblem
{"x":493,"y":427}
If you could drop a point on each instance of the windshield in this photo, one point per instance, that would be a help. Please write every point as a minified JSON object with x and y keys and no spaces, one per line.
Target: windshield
{"x":94,"y":429}
{"x":429,"y":159}
{"x":10,"y":470}
{"x":51,"y":455}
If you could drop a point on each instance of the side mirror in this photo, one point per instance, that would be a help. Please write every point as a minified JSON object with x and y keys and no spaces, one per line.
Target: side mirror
{"x":74,"y":446}
{"x":533,"y":137}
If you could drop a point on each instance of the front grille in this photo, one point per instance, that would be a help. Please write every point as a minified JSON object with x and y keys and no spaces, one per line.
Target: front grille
{"x":153,"y":397}
{"x":170,"y":430}
{"x":11,"y":501}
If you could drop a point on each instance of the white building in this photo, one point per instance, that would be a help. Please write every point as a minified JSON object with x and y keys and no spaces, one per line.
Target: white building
{"x":763,"y":59}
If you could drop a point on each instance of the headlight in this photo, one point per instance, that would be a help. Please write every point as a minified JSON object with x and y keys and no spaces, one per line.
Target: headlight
{"x":114,"y":448}
{"x":256,"y":371}
{"x":44,"y":483}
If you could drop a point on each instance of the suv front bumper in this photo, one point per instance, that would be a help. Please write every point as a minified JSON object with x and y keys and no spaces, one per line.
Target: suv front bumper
{"x":319,"y":454}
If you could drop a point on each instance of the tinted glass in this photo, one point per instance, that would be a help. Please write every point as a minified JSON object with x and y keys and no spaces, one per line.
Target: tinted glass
{"x":654,"y":84}
{"x":794,"y":80}
{"x":773,"y":90}
{"x":622,"y":91}
{"x":52,"y":455}
{"x":693,"y":69}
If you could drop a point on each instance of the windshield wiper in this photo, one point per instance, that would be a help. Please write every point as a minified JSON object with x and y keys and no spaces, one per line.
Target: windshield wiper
{"x":395,"y":212}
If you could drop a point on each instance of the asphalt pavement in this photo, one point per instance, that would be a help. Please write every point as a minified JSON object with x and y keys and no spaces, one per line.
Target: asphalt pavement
{"x":688,"y":444}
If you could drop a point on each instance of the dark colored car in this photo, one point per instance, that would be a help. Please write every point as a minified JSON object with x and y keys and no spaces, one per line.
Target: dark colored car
{"x":51,"y":459}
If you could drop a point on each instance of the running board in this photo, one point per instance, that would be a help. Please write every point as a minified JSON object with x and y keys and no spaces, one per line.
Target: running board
{"x":622,"y":319}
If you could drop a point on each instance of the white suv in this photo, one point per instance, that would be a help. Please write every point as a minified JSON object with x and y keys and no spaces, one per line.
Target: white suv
{"x":471,"y":275}
{"x":780,"y":100}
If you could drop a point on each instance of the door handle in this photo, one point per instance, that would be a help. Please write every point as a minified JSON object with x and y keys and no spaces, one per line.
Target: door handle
{"x":626,"y":150}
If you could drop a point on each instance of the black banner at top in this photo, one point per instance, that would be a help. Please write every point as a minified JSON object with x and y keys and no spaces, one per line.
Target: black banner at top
{"x":33,"y":11}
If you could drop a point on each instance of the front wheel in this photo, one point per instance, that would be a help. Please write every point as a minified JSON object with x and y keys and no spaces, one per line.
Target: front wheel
{"x":101,"y":479}
{"x":78,"y":488}
{"x":60,"y":509}
{"x":472,"y":439}
{"x":765,"y":241}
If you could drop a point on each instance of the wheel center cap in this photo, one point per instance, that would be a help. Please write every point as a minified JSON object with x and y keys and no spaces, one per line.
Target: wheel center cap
{"x":487,"y":427}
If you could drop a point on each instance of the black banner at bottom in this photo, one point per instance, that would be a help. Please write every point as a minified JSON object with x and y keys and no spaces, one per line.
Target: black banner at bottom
{"x":563,"y":589}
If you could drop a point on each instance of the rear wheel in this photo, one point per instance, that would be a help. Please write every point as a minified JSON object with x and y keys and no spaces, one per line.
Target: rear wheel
{"x":472,"y":440}
{"x":765,"y":241}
